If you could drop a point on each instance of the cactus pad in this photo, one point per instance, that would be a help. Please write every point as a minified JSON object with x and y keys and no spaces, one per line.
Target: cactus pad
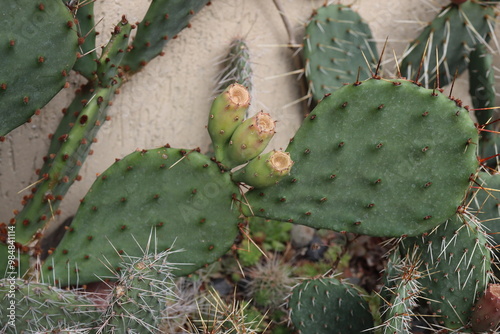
{"x":322,"y":306}
{"x":380,"y":157}
{"x":452,"y":34}
{"x":163,"y":21}
{"x":335,"y":41}
{"x":457,"y":257}
{"x":38,"y":45}
{"x":40,"y":308}
{"x":181,"y":194}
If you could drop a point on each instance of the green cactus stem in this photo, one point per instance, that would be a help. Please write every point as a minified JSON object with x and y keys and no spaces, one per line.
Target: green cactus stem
{"x":85,"y":27}
{"x":113,"y":53}
{"x":482,"y":91}
{"x":163,"y":21}
{"x":265,"y":170}
{"x":418,"y":153}
{"x":62,"y":169}
{"x":402,"y":291}
{"x":38,"y":46}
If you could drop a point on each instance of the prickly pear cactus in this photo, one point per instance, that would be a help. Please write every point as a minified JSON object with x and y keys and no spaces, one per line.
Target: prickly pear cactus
{"x":83,"y":11}
{"x":113,"y":53}
{"x":380,"y":157}
{"x":180,"y":194}
{"x":456,"y":258}
{"x":336,"y":42}
{"x":485,"y":204}
{"x":237,"y":67}
{"x":30,"y":307}
{"x":38,"y":46}
{"x":61,"y":168}
{"x":401,"y":291}
{"x":141,"y":294}
{"x":327,"y":305}
{"x":163,"y":21}
{"x":452,"y":35}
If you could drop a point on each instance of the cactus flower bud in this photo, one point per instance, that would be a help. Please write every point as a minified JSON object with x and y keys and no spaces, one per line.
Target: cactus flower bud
{"x":265,"y":170}
{"x":250,"y":138}
{"x":226,"y":114}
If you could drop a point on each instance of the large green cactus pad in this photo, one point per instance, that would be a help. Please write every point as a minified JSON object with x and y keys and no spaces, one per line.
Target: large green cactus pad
{"x":383,"y":157}
{"x":452,"y":34}
{"x":180,"y":194}
{"x":38,"y":45}
{"x":457,"y":259}
{"x":326,"y":305}
{"x":337,"y":45}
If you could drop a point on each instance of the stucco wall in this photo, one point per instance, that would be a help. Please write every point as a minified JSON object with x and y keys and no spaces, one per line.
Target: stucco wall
{"x":168,"y":101}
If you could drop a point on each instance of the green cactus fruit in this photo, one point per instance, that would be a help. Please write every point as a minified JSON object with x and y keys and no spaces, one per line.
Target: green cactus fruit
{"x":265,"y":170}
{"x":237,"y":67}
{"x":141,"y":294}
{"x":30,"y":307}
{"x":449,"y":38}
{"x":327,"y":305}
{"x":85,"y":64}
{"x":163,"y":21}
{"x":337,"y":46}
{"x":417,"y":149}
{"x":182,"y":194}
{"x":38,"y":46}
{"x":226,"y":114}
{"x":62,"y":167}
{"x":249,"y":139}
{"x":485,"y":204}
{"x":456,"y":257}
{"x":486,"y":312}
{"x":113,"y":53}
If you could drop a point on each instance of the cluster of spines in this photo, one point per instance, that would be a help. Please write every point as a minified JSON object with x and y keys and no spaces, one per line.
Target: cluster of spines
{"x":402,"y":291}
{"x":326,"y":304}
{"x":337,"y":47}
{"x":237,"y":67}
{"x":442,"y":49}
{"x":140,"y":295}
{"x":39,"y":307}
{"x":457,"y":261}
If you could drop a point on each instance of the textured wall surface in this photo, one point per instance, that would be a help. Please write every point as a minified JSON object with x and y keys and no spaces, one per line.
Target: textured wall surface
{"x":168,"y":101}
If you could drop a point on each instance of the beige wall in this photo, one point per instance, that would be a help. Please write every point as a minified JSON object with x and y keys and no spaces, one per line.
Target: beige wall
{"x":168,"y":102}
